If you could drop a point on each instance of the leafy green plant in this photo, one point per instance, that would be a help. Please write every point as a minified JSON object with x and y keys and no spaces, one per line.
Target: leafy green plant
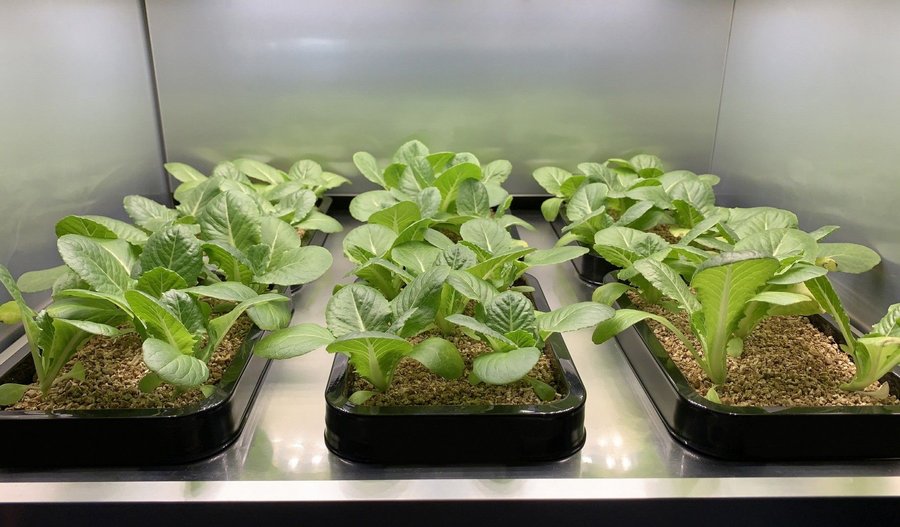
{"x":516,"y":333}
{"x":391,"y":254}
{"x":875,"y":353}
{"x":714,"y":302}
{"x":290,"y":196}
{"x":448,"y":188}
{"x":154,"y":278}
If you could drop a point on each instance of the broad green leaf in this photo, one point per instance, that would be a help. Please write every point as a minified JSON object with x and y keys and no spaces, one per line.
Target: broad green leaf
{"x":94,"y":328}
{"x":598,"y":173}
{"x":646,"y":165}
{"x":375,"y":240}
{"x":364,"y":205}
{"x":823,"y":231}
{"x":356,"y":308}
{"x":428,"y":201}
{"x":94,"y":264}
{"x":421,"y":297}
{"x":186,"y":309}
{"x":228,"y":291}
{"x":302,"y":203}
{"x":416,"y":257}
{"x":634,"y":213}
{"x":889,"y":325}
{"x":36,"y":281}
{"x":505,"y":367}
{"x":89,"y":309}
{"x":497,"y":171}
{"x":695,"y":193}
{"x":780,"y":244}
{"x":259,"y":171}
{"x":409,"y":151}
{"x":172,"y":365}
{"x":231,"y":218}
{"x":194,"y":201}
{"x":847,"y":257}
{"x":828,"y":299}
{"x":438,"y":239}
{"x":622,"y":246}
{"x":488,"y":235}
{"x":449,"y":181}
{"x":11,"y":393}
{"x":368,"y":167}
{"x":798,"y":273}
{"x":492,"y":267}
{"x":439,"y":356}
{"x":397,"y":217}
{"x":183,"y":172}
{"x":83,"y":226}
{"x":551,"y":179}
{"x":471,"y":287}
{"x":747,"y":221}
{"x":472,"y":199}
{"x":158,"y":280}
{"x":296,"y":266}
{"x":361,"y":396}
{"x":724,"y":285}
{"x":479,"y":327}
{"x":160,"y":322}
{"x":606,"y":294}
{"x":374,"y":355}
{"x":510,"y":311}
{"x":271,"y":316}
{"x":229,"y":260}
{"x":458,"y":257}
{"x":114,"y":299}
{"x":875,"y":357}
{"x":544,"y":391}
{"x":550,"y":208}
{"x":669,"y":283}
{"x":174,"y":248}
{"x":779,"y":298}
{"x":586,"y":201}
{"x":316,"y":221}
{"x":68,"y":280}
{"x":555,"y":255}
{"x":277,"y":235}
{"x":573,"y":317}
{"x":148,"y":214}
{"x":305,"y":170}
{"x":293,"y":341}
{"x":122,"y":230}
{"x":227,"y":170}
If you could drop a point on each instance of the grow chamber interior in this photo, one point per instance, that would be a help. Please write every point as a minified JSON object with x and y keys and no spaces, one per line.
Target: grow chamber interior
{"x":789,"y":102}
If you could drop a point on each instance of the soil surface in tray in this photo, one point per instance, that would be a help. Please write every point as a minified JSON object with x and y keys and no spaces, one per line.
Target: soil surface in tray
{"x":786,"y":362}
{"x":113,"y":368}
{"x":415,"y":385}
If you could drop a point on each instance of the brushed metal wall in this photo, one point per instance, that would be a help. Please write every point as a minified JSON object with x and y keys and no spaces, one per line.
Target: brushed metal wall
{"x":533,"y":81}
{"x":78,"y":128}
{"x":810,"y":121}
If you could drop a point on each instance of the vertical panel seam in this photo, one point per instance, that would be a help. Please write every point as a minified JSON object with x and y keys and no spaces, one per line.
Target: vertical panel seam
{"x":712,"y":154}
{"x":154,"y":86}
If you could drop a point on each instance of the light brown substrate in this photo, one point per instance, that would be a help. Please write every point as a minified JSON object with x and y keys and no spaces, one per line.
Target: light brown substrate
{"x":414,"y":385}
{"x":786,"y":362}
{"x":113,"y":368}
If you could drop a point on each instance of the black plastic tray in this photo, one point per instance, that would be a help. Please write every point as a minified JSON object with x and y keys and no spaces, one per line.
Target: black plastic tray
{"x":759,"y":433}
{"x":590,"y":267}
{"x":135,"y":437}
{"x":131,"y":437}
{"x":442,"y":435}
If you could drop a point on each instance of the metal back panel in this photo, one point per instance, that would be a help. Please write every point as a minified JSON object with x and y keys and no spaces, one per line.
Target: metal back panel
{"x":78,"y":129}
{"x":535,"y":82}
{"x":810,"y":121}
